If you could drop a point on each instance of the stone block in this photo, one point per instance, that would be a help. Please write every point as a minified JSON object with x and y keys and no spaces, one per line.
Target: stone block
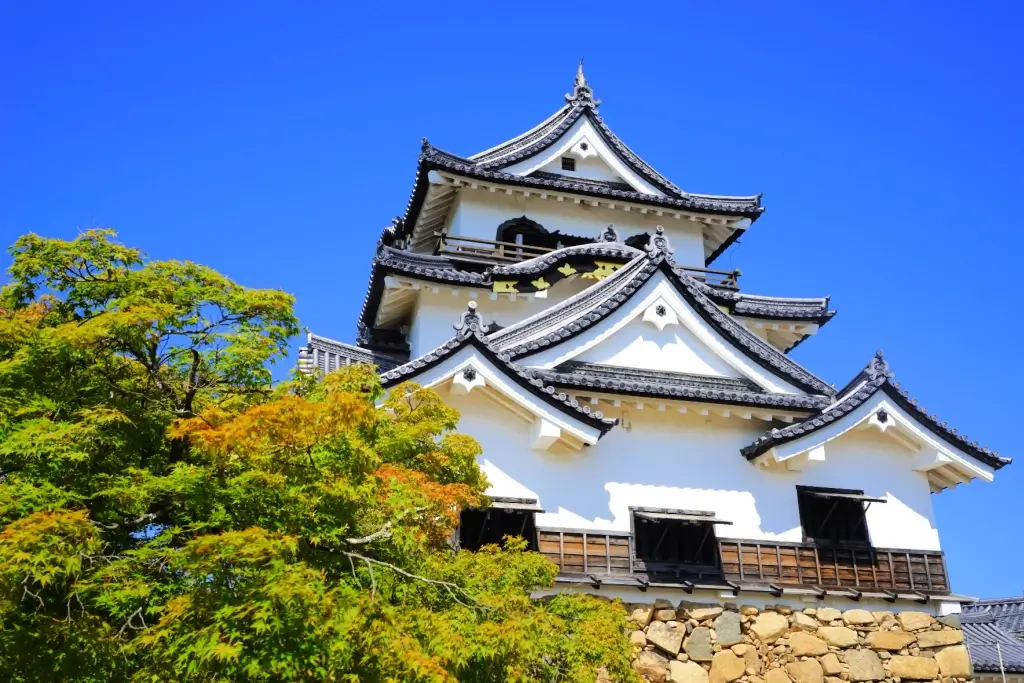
{"x":914,"y":621}
{"x":807,"y":671}
{"x":889,"y":640}
{"x":726,"y":667}
{"x":939,"y":638}
{"x":727,"y":627}
{"x":954,"y":662}
{"x":806,"y":645}
{"x":702,"y":613}
{"x":914,"y":668}
{"x":864,"y":665}
{"x":698,"y":645}
{"x":652,"y":665}
{"x":638,"y":638}
{"x":838,"y":636}
{"x":768,"y":626}
{"x":664,"y":615}
{"x":777,"y":676}
{"x":687,"y":672}
{"x":858,"y":617}
{"x":641,"y":616}
{"x":667,"y":636}
{"x":805,"y":622}
{"x":831,"y":665}
{"x":827,"y":615}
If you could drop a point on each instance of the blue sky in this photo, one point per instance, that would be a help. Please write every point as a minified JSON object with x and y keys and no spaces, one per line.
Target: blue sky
{"x":275,"y":142}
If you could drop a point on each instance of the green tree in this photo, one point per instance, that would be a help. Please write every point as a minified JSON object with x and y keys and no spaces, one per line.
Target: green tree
{"x":167,"y":513}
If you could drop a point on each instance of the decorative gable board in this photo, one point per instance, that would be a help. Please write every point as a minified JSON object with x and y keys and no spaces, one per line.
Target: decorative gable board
{"x":944,"y":464}
{"x":584,"y":143}
{"x":686,"y":343}
{"x":467,"y":371}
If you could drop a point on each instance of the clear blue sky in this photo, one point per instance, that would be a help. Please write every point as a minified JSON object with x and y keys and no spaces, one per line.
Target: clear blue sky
{"x":274,"y":143}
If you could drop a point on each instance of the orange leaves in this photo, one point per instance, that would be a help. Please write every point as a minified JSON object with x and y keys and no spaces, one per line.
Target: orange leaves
{"x":439,"y":503}
{"x":289,"y":425}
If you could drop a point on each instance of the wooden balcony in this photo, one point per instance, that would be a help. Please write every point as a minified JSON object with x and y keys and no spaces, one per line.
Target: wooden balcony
{"x":492,"y":252}
{"x":602,"y":556}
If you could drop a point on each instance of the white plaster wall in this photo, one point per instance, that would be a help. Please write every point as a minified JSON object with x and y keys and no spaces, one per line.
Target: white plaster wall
{"x":571,"y":145}
{"x":640,"y":344}
{"x":664,"y":459}
{"x":593,"y":168}
{"x":478,"y":213}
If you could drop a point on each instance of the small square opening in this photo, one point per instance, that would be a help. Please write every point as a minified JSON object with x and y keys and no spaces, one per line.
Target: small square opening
{"x":675,"y":539}
{"x":478,"y":528}
{"x":834,"y":516}
{"x":568,"y":164}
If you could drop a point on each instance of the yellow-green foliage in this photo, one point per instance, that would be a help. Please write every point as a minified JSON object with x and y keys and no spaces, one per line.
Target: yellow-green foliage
{"x":168,"y":514}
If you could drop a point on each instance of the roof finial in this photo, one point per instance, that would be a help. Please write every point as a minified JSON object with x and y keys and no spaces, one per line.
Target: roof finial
{"x":658,"y":246}
{"x":469,"y":322}
{"x":582,"y":95}
{"x":878,"y":367}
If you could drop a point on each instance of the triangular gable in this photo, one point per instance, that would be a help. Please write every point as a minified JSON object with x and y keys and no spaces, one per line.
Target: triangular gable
{"x":467,"y":363}
{"x":593,"y":158}
{"x":872,"y":401}
{"x":637,"y":290}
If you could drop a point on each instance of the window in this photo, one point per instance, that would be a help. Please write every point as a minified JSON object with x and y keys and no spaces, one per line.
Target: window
{"x":505,"y":517}
{"x":834,"y":515}
{"x":568,"y":164}
{"x":675,"y":537}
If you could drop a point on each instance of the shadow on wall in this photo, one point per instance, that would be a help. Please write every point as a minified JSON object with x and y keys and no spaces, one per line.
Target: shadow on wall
{"x":693,"y":462}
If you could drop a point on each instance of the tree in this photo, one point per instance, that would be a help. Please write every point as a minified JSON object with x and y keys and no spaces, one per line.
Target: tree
{"x":166,"y":512}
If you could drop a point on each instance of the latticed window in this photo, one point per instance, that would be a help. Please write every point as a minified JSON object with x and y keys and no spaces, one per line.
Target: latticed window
{"x":834,"y":515}
{"x":505,"y":517}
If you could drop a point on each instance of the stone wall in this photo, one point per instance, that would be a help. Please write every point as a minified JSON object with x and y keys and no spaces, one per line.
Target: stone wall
{"x":776,"y":644}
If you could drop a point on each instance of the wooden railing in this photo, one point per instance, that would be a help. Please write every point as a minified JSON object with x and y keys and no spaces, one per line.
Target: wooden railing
{"x":834,"y":566}
{"x":487,"y":251}
{"x":603,"y":555}
{"x":492,"y":251}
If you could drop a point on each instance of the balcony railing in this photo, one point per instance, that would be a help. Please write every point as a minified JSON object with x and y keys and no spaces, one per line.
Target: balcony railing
{"x":493,"y":252}
{"x":603,"y":555}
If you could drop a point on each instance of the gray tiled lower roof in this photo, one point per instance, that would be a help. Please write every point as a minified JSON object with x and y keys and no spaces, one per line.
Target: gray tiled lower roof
{"x":874,"y":378}
{"x":327,"y":354}
{"x":676,"y":385}
{"x":989,"y":622}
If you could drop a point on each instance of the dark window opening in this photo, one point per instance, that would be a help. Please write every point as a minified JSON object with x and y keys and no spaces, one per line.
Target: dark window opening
{"x":638,"y":241}
{"x":675,"y":538}
{"x":478,"y":528}
{"x":834,"y":515}
{"x":568,"y":164}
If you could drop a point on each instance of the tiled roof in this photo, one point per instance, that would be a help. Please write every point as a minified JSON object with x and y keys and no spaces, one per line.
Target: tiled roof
{"x":471,"y":332}
{"x":875,"y":377}
{"x":581,"y":103}
{"x":574,"y":315}
{"x":432,"y":158}
{"x":327,"y":355}
{"x":988,"y":622}
{"x":674,"y":385}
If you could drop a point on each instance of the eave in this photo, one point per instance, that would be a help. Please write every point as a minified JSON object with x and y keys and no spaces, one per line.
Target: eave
{"x":471,"y":333}
{"x":872,"y":400}
{"x":440,"y":175}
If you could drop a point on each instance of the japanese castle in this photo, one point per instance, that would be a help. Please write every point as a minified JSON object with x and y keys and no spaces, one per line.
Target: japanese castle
{"x":641,"y":422}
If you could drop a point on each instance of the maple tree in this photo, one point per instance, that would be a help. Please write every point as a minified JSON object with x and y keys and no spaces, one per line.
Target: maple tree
{"x":168,"y":513}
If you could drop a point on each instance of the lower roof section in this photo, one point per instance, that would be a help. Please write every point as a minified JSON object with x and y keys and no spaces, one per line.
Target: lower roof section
{"x":582,"y":376}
